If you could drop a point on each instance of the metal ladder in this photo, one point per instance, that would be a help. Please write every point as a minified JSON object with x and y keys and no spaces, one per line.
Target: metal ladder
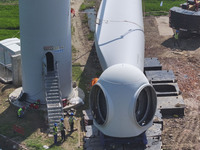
{"x":53,"y":99}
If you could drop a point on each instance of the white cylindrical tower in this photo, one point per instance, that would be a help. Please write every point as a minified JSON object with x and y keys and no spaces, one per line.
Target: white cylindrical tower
{"x":45,"y":33}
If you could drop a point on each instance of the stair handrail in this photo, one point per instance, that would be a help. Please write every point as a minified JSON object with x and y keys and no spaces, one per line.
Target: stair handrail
{"x":56,"y":68}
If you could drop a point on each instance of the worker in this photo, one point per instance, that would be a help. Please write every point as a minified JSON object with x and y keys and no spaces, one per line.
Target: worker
{"x":62,"y":129}
{"x":176,"y":38}
{"x":94,"y":81}
{"x":73,"y":12}
{"x":20,"y":112}
{"x":196,"y":5}
{"x":35,"y":105}
{"x":71,"y":122}
{"x":55,"y":131}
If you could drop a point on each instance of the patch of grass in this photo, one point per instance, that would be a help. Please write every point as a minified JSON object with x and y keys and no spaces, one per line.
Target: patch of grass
{"x":73,"y":139}
{"x":85,"y":19}
{"x":5,"y":128}
{"x":5,"y":33}
{"x":73,"y":49}
{"x":9,"y":1}
{"x":9,"y":16}
{"x":153,"y":6}
{"x":82,"y":81}
{"x":9,"y":21}
{"x":90,"y":36}
{"x":76,"y":72}
{"x":34,"y":144}
{"x":87,"y":4}
{"x":72,"y":29}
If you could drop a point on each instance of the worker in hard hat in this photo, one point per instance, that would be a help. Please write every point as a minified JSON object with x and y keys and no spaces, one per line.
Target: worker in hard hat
{"x":71,"y":122}
{"x":62,"y":129}
{"x":55,"y":131}
{"x":20,"y":112}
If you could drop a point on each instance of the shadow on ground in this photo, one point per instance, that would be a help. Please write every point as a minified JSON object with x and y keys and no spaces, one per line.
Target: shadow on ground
{"x":188,"y":42}
{"x":91,"y":70}
{"x":16,"y":130}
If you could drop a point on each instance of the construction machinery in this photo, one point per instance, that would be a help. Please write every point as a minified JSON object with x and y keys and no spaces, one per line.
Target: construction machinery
{"x":186,"y":17}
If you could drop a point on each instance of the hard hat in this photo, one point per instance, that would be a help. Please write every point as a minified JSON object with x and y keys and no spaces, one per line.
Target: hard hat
{"x":23,"y":107}
{"x":71,"y":114}
{"x":62,"y":119}
{"x":55,"y":124}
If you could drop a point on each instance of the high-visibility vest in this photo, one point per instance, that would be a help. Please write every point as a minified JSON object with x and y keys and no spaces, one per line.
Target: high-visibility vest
{"x":176,"y":36}
{"x":71,"y":120}
{"x":55,"y":130}
{"x":19,"y":111}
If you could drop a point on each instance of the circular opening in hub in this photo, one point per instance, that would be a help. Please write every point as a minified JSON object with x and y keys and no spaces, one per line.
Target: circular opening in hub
{"x":98,"y":104}
{"x":145,"y":105}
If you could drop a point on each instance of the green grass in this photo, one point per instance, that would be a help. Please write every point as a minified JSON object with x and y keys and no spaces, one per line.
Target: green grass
{"x":9,"y":21}
{"x":37,"y":143}
{"x":87,"y":4}
{"x":5,"y":33}
{"x":153,"y":6}
{"x":76,"y":72}
{"x":83,"y":82}
{"x":72,"y":29}
{"x":9,"y":1}
{"x":73,"y":49}
{"x":90,"y":36}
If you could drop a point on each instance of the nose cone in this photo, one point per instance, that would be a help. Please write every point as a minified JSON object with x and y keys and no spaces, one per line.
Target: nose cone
{"x":123,"y":102}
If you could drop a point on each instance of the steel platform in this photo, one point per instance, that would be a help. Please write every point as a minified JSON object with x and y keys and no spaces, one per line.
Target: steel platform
{"x":161,"y":76}
{"x":152,"y":64}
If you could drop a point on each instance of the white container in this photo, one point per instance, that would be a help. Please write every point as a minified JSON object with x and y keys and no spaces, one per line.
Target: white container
{"x":9,"y":47}
{"x":45,"y":32}
{"x":123,"y":102}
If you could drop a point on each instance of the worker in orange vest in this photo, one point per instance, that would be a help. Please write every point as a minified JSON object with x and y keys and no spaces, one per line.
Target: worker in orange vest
{"x":94,"y":81}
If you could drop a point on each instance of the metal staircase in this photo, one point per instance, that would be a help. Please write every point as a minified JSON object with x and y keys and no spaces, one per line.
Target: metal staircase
{"x":53,"y":98}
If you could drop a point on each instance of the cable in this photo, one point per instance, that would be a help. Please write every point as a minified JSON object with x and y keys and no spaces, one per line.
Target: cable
{"x":107,"y":21}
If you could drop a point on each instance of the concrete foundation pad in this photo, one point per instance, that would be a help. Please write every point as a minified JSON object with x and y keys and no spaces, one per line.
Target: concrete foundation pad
{"x":14,"y":96}
{"x":163,"y":26}
{"x":77,"y":94}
